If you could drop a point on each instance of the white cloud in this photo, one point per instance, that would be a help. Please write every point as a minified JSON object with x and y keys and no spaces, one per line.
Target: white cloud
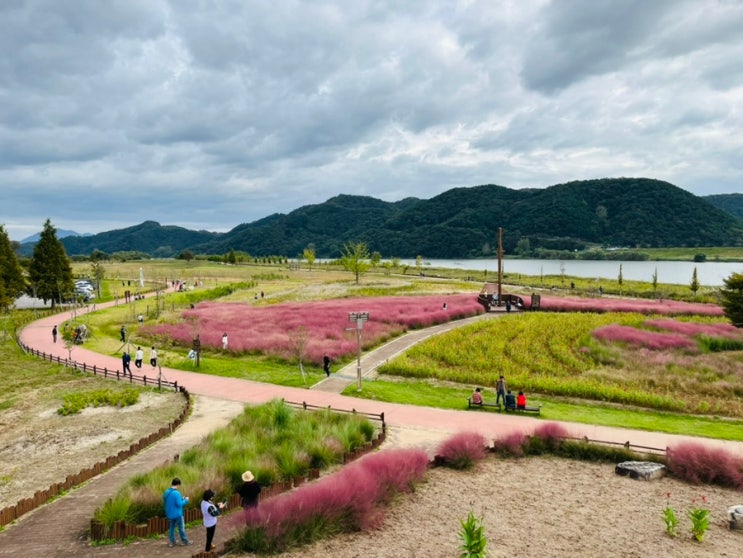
{"x":207,"y":115}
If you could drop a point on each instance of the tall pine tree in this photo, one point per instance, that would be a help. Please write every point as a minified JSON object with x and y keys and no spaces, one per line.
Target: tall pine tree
{"x":12,"y":283}
{"x":50,"y":272}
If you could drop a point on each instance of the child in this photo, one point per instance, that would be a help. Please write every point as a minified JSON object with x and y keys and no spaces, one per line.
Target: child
{"x":521,"y":401}
{"x":210,"y":511}
{"x":477,"y":397}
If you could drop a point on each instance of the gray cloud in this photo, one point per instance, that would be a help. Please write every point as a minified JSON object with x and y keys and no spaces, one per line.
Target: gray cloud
{"x":210,"y":114}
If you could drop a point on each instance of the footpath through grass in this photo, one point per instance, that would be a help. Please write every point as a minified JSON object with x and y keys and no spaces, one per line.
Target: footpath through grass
{"x":451,"y":397}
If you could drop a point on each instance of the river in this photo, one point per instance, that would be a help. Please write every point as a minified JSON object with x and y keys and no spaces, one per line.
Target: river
{"x":710,"y":274}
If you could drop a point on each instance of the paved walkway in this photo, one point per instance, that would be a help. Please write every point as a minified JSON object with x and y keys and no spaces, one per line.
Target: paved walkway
{"x":57,"y":529}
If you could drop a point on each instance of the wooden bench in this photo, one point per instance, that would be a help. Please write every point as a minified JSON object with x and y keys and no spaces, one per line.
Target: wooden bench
{"x":536,"y":410}
{"x":484,"y":404}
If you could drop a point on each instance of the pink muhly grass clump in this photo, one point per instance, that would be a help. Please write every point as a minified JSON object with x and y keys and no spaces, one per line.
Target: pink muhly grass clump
{"x":510,"y":444}
{"x":462,"y":450}
{"x":699,"y":464}
{"x":271,"y":329}
{"x":642,"y":306}
{"x":551,"y":433}
{"x":642,"y":338}
{"x":351,"y":499}
{"x":692,"y":329}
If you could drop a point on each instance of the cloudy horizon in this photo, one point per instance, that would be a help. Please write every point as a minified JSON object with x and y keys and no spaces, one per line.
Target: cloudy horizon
{"x":210,"y":114}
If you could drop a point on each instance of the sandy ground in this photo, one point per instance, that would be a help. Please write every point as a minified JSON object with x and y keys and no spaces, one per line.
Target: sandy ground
{"x":542,"y":507}
{"x":38,"y":447}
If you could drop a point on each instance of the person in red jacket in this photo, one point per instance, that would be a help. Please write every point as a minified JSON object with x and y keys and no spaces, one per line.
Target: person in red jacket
{"x":521,"y":400}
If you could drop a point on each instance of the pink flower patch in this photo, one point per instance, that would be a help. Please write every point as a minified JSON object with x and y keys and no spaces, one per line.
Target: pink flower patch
{"x":641,"y":338}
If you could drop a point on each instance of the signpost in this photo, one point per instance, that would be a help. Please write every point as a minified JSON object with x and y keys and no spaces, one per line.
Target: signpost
{"x":359,"y":318}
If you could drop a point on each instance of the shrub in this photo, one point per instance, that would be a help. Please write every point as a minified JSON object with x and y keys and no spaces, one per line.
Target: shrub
{"x":699,"y":464}
{"x":349,"y":500}
{"x":473,"y":537}
{"x":510,"y":445}
{"x":551,"y":434}
{"x":462,"y":450}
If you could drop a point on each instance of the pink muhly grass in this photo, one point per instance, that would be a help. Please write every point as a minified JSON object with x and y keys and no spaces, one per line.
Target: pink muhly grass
{"x":551,"y":433}
{"x":692,"y":329}
{"x":270,"y":329}
{"x":462,"y":450}
{"x":510,"y":444}
{"x":642,"y":338}
{"x":641,"y":306}
{"x":699,"y":464}
{"x":348,"y":500}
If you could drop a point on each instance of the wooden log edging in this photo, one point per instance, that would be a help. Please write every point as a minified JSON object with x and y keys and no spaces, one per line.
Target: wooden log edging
{"x":160,"y":525}
{"x":11,"y":513}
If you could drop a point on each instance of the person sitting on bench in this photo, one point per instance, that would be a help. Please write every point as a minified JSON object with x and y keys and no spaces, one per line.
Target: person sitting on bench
{"x":510,"y":401}
{"x":521,"y":401}
{"x":477,"y":397}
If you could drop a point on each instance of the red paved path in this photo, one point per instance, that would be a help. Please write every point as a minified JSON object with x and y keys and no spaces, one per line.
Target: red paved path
{"x":57,"y":529}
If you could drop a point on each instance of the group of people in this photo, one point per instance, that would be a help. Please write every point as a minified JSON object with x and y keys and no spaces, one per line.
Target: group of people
{"x":174,"y":502}
{"x":126,"y":359}
{"x":510,"y":401}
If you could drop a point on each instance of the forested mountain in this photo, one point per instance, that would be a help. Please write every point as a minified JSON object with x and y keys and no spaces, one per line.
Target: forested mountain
{"x":732,"y":203}
{"x":149,"y":237}
{"x":459,"y":223}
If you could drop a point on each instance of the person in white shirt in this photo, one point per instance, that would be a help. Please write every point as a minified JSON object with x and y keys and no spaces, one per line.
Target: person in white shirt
{"x":138,"y":357}
{"x":153,"y":357}
{"x":210,"y":511}
{"x":224,"y":342}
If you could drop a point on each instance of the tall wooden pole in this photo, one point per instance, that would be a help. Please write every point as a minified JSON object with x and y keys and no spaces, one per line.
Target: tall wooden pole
{"x":500,"y":262}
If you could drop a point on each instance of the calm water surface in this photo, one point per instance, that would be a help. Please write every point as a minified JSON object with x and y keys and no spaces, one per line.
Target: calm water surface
{"x":710,"y":274}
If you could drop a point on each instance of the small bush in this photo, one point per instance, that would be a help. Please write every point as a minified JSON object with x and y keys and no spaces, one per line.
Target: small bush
{"x":462,"y":450}
{"x":699,"y":464}
{"x":73,"y":403}
{"x":510,"y":445}
{"x":551,"y":434}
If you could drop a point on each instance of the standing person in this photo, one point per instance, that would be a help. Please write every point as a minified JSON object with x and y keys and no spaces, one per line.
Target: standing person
{"x":500,"y":390}
{"x":249,"y":491}
{"x":210,"y":511}
{"x":174,"y":503}
{"x":153,"y":357}
{"x":54,"y":334}
{"x":126,"y":358}
{"x":326,"y":364}
{"x":122,"y":333}
{"x":138,"y":357}
{"x":521,"y":401}
{"x":140,"y":319}
{"x":225,"y":340}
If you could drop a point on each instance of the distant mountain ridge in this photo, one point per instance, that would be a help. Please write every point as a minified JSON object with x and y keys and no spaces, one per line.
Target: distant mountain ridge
{"x":61,"y":233}
{"x":732,"y":203}
{"x":460,"y":223}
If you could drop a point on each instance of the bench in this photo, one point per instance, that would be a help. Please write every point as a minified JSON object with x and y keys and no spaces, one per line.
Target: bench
{"x":484,"y":404}
{"x":536,"y":410}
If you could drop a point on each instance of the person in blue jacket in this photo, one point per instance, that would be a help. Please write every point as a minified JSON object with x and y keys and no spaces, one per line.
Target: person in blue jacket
{"x":174,"y":503}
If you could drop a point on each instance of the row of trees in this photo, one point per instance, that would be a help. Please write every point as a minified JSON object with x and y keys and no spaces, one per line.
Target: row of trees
{"x":49,"y":274}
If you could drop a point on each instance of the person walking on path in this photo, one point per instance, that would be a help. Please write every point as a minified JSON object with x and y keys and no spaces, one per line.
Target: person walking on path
{"x":126,"y":358}
{"x":250,"y":491}
{"x":174,"y":503}
{"x":210,"y":511}
{"x":54,"y":334}
{"x":153,"y":357}
{"x":122,"y":333}
{"x":138,"y":357}
{"x":500,"y":390}
{"x":326,"y":364}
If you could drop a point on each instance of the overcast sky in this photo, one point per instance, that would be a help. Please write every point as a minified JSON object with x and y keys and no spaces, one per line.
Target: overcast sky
{"x":208,"y":114}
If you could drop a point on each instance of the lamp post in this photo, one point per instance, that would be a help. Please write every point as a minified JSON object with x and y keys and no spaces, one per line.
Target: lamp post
{"x":359,"y":318}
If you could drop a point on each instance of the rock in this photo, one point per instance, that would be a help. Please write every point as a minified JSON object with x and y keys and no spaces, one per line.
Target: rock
{"x":643,"y":470}
{"x":735,"y":517}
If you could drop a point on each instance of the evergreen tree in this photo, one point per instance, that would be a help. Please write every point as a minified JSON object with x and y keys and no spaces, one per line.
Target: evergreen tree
{"x":355,"y":258}
{"x":694,"y":285}
{"x":50,"y":272}
{"x":12,"y":283}
{"x":732,"y":299}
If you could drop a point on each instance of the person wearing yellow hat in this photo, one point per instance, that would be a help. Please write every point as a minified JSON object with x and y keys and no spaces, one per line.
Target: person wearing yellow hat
{"x":249,"y":491}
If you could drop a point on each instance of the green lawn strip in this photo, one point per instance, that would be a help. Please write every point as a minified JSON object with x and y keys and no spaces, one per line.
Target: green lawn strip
{"x":445,"y":397}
